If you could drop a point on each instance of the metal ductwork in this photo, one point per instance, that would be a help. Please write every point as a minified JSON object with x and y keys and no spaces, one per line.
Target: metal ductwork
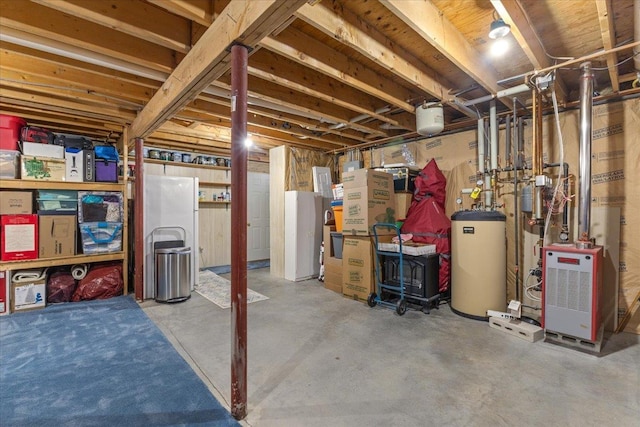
{"x":586,"y":116}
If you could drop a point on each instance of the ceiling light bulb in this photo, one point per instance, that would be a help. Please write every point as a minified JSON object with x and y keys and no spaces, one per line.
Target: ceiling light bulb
{"x":499,"y":47}
{"x":248,"y":142}
{"x":499,"y":29}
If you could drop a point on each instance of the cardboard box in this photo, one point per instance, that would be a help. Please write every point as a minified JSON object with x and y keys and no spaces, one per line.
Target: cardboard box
{"x":18,"y":237}
{"x":365,"y":206}
{"x":9,"y":164}
{"x":37,"y":149}
{"x":57,"y":235}
{"x":358,"y":268}
{"x":403,"y":203}
{"x":4,"y":293}
{"x":338,"y":191}
{"x":42,"y":169}
{"x":16,"y":202}
{"x":29,"y":295}
{"x":333,"y":274}
{"x":367,"y":178}
{"x":80,"y":166}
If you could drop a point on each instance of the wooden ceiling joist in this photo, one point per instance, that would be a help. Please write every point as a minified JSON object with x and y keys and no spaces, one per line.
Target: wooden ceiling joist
{"x":308,"y":61}
{"x":247,"y":22}
{"x":605,"y":18}
{"x":131,"y":17}
{"x":513,"y":14}
{"x":427,"y":20}
{"x":356,"y":38}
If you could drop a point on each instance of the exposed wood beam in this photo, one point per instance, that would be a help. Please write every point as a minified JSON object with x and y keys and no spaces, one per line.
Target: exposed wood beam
{"x":200,"y":11}
{"x":47,"y":103}
{"x":605,"y":18}
{"x":427,"y":20}
{"x":328,"y":69}
{"x":62,"y":88}
{"x":130,"y":17}
{"x":246,"y":22}
{"x":10,"y":53}
{"x":308,"y":107}
{"x":63,"y":28}
{"x":45,"y":73}
{"x":356,"y":38}
{"x":278,"y":70}
{"x":259,"y":124}
{"x":513,"y":14}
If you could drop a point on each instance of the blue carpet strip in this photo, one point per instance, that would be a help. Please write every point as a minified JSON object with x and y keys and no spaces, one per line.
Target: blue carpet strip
{"x":97,"y":363}
{"x":224,"y":269}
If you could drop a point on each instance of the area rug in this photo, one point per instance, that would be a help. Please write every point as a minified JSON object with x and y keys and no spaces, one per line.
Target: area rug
{"x":97,"y":363}
{"x":218,"y":290}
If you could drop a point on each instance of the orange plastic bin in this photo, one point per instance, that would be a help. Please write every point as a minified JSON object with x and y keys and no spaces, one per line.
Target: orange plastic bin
{"x":336,"y":205}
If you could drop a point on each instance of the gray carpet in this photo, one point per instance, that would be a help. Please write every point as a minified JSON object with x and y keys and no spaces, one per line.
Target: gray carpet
{"x":97,"y":363}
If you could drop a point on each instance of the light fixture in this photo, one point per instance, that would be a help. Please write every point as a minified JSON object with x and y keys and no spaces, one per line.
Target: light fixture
{"x":499,"y":29}
{"x":499,"y":47}
{"x":248,"y":142}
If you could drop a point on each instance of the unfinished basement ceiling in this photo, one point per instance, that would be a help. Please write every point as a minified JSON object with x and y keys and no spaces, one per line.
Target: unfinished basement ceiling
{"x":328,"y":74}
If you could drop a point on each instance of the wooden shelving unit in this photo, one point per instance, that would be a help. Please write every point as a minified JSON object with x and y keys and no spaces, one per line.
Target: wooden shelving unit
{"x":122,"y":256}
{"x":19,"y":184}
{"x":187,"y":165}
{"x":52,"y":262}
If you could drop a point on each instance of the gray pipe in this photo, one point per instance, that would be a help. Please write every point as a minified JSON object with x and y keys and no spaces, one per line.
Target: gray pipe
{"x":493,"y":128}
{"x":586,"y":116}
{"x":507,"y":139}
{"x":481,"y":146}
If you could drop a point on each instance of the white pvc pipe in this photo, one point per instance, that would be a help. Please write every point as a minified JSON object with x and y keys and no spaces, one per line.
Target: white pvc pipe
{"x":493,"y":118}
{"x":481,"y":145}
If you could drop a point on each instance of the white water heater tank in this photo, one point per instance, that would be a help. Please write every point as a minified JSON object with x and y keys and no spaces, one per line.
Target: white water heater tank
{"x":429,"y":118}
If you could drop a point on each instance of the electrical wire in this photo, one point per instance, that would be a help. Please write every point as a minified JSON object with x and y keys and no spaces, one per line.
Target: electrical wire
{"x":528,"y":288}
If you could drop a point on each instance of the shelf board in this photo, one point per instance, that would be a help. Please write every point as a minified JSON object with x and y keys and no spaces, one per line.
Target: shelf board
{"x":212,"y":202}
{"x":214,"y":184}
{"x":68,"y":260}
{"x":188,"y":165}
{"x":23,"y":184}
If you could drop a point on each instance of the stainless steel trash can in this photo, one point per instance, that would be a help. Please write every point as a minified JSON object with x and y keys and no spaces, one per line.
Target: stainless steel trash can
{"x":173,"y":274}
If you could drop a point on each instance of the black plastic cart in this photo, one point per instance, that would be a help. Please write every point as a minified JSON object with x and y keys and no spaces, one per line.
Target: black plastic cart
{"x":403,"y":279}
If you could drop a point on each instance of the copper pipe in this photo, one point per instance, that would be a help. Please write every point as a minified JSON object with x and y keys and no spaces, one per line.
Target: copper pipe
{"x":138,"y":221}
{"x":239,"y":55}
{"x":536,"y":152}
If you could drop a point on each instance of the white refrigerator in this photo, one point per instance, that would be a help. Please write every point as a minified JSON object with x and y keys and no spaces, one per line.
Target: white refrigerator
{"x":302,"y":234}
{"x":169,"y":202}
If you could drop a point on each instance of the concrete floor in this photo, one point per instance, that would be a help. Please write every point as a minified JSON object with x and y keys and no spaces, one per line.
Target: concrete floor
{"x":318,"y":359}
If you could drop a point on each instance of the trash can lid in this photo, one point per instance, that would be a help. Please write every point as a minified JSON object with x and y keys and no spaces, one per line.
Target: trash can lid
{"x":184,"y":249}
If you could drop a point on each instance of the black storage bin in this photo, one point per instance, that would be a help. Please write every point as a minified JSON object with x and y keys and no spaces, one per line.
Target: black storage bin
{"x":403,"y":178}
{"x":420,"y":274}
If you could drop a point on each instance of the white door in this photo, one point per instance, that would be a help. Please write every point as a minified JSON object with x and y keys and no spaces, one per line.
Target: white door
{"x":257,"y":216}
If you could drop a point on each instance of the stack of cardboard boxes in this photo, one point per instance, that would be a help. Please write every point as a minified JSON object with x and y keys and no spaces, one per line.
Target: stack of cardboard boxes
{"x":368,"y":198}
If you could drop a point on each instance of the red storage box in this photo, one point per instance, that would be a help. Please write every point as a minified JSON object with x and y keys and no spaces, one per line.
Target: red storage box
{"x":18,"y":237}
{"x":10,"y":127}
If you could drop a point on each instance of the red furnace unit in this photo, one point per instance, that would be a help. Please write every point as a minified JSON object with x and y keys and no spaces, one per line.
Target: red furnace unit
{"x":572,"y":283}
